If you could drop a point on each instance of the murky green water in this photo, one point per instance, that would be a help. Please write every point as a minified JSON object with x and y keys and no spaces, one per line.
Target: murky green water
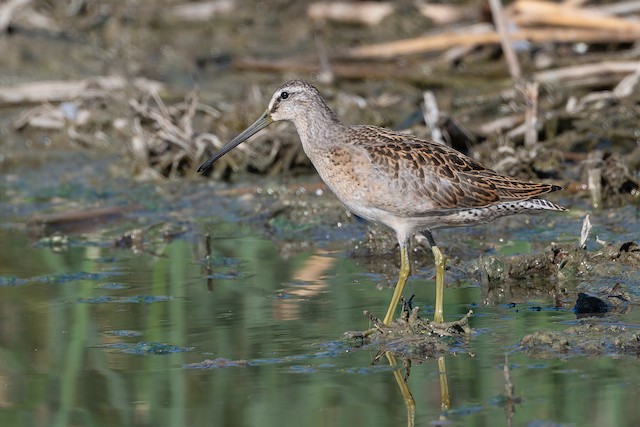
{"x":94,"y":335}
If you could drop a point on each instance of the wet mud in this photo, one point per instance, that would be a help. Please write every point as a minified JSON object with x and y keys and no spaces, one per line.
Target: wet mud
{"x":590,"y":338}
{"x":412,"y":337}
{"x":573,"y":276}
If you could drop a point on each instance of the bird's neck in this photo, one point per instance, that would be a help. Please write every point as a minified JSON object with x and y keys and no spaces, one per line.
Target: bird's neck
{"x":318,"y":130}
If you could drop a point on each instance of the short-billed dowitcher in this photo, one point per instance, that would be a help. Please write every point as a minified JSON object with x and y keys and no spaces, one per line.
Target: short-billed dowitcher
{"x":411,"y":185}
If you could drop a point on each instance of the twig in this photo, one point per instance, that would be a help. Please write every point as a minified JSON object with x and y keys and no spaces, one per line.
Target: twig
{"x":326,"y":74}
{"x":500,"y":22}
{"x":443,"y":14}
{"x":9,"y":11}
{"x":500,"y":124}
{"x":628,"y":85}
{"x":453,"y":328}
{"x":509,"y":392}
{"x":530,"y":92}
{"x":584,"y":233}
{"x":200,"y":10}
{"x":431,"y":115}
{"x":568,"y":74}
{"x":594,"y":177}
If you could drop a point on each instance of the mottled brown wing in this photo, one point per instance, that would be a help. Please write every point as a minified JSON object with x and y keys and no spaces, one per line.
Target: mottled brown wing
{"x":512,"y":189}
{"x":434,"y":176}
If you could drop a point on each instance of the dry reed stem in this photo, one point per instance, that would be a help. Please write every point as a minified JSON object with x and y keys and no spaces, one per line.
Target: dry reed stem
{"x":60,"y":90}
{"x":479,"y":35}
{"x":500,"y":22}
{"x":528,"y":12}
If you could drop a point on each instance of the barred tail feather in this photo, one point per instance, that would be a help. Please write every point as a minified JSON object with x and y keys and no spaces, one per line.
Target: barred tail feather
{"x":539,"y":204}
{"x":471,"y":216}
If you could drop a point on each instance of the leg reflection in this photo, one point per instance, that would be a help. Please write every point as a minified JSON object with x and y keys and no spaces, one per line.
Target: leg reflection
{"x":404,"y":389}
{"x":445,"y":400}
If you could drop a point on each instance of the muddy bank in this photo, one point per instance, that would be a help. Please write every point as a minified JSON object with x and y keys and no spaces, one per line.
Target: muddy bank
{"x":572,"y":276}
{"x":560,"y":268}
{"x":591,"y":338}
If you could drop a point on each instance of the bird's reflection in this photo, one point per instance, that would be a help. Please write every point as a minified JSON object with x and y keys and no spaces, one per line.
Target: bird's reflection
{"x":307,"y":281}
{"x":310,"y":280}
{"x":403,"y":384}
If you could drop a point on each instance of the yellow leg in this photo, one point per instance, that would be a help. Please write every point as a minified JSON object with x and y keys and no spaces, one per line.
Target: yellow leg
{"x":405,"y":270}
{"x":438,"y":316}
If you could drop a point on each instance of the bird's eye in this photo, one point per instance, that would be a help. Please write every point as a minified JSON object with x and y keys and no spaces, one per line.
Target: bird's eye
{"x":284,"y":95}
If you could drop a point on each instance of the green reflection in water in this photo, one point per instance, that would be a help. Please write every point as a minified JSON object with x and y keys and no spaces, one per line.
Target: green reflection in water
{"x":281,"y":311}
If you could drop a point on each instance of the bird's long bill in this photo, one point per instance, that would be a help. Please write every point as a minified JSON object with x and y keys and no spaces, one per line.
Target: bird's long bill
{"x":264,"y":121}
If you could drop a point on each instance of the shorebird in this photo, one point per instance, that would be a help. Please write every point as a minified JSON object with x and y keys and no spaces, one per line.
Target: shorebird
{"x":412,"y":185}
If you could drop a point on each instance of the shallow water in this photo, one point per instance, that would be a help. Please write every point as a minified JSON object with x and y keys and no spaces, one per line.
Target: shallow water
{"x":234,"y":330}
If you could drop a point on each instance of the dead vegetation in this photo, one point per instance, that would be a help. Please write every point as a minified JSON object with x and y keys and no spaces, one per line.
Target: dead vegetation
{"x":164,"y":141}
{"x":561,"y":102}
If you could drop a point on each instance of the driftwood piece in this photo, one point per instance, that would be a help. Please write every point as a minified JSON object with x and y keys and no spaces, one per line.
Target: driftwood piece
{"x":307,"y":65}
{"x":9,"y":11}
{"x":566,"y":75}
{"x":365,"y":13}
{"x":59,"y":219}
{"x":619,"y":8}
{"x":443,"y":14}
{"x":57,"y":91}
{"x":528,"y":12}
{"x":483,"y":34}
{"x":201,"y":10}
{"x":53,"y":117}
